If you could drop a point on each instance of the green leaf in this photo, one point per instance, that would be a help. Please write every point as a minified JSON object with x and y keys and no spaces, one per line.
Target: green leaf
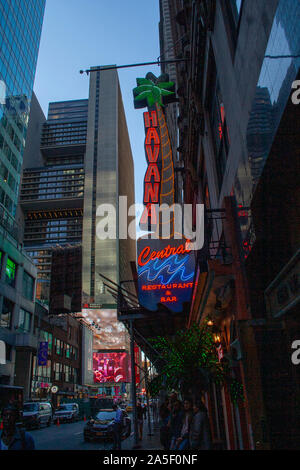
{"x":144,"y":95}
{"x":165,"y":84}
{"x":144,"y":81}
{"x":166,"y":92}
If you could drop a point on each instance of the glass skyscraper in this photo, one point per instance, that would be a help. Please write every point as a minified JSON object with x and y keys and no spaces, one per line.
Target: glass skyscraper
{"x":20,"y":31}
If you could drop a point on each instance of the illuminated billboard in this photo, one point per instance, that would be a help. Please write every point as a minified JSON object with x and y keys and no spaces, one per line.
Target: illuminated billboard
{"x":111,"y":367}
{"x":108,"y":332}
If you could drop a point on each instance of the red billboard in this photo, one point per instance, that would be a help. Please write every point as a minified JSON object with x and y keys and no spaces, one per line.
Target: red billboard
{"x":111,"y":367}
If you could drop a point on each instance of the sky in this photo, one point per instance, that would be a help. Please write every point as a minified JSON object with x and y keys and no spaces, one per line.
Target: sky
{"x":78,"y":34}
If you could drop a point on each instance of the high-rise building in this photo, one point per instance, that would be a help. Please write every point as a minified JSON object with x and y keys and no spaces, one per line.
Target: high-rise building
{"x":51,"y":195}
{"x":20,"y":31}
{"x":84,"y":162}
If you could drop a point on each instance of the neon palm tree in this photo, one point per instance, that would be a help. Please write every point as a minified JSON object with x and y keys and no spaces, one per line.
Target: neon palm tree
{"x":154,"y":93}
{"x":151,"y":90}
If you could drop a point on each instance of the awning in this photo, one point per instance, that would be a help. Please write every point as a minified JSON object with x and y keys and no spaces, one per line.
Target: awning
{"x":2,"y":352}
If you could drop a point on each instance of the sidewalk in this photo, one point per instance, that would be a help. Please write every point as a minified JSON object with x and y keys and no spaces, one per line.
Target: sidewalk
{"x":148,"y":442}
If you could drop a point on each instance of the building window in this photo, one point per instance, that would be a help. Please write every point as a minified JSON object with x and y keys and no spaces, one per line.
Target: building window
{"x":10,"y":272}
{"x":8,"y":352}
{"x":67,"y":373}
{"x":7,"y":313}
{"x":47,"y":337}
{"x":28,"y":286}
{"x":58,"y":368}
{"x":24,"y":321}
{"x":58,"y":346}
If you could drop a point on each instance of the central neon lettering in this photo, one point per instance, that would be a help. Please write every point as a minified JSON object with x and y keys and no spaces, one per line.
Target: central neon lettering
{"x":146,"y":255}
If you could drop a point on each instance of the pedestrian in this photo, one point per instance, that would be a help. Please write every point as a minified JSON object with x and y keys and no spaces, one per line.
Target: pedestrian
{"x":164,"y":415}
{"x":13,"y":437}
{"x":182,"y":442}
{"x":175,"y":423}
{"x":173,"y":398}
{"x":140,"y":417}
{"x":200,"y":437}
{"x":145,"y":411}
{"x":117,"y":427}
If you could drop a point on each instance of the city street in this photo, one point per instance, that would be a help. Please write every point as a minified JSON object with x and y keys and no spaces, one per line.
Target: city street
{"x":69,"y":436}
{"x":66,"y":436}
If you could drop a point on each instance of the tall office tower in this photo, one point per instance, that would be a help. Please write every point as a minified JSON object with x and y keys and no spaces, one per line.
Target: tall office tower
{"x":85,"y":162}
{"x":108,"y":175}
{"x":52,"y":192}
{"x":20,"y":31}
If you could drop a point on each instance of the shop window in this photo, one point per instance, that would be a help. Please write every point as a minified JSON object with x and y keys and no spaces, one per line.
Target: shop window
{"x":10,"y":272}
{"x":7,"y":313}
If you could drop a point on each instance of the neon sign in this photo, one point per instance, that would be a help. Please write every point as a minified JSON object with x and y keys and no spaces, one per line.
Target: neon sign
{"x":165,"y":266}
{"x":152,"y":180}
{"x":146,"y":255}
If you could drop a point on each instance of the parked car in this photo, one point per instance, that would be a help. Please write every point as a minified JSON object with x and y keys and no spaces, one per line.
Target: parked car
{"x":37,"y":413}
{"x":100,"y":427}
{"x":66,"y":412}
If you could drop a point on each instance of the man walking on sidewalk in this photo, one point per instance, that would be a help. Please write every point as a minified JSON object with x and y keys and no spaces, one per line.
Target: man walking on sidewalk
{"x":117,"y":427}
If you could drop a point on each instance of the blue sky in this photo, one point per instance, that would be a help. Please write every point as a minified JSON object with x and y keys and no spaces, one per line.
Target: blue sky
{"x":78,"y":34}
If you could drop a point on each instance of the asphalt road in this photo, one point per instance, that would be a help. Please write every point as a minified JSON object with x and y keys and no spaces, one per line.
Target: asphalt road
{"x":66,"y":436}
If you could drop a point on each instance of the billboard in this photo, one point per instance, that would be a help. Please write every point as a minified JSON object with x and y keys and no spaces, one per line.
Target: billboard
{"x":111,"y":367}
{"x":109,"y":333}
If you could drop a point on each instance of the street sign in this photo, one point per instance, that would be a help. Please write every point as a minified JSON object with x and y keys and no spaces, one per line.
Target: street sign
{"x":54,"y":389}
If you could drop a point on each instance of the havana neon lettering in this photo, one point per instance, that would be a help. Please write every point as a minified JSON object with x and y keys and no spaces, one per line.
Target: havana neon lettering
{"x":152,"y":176}
{"x":149,"y":213}
{"x":151,"y":192}
{"x":145,"y":255}
{"x":150,"y":119}
{"x":152,"y":153}
{"x":152,"y":171}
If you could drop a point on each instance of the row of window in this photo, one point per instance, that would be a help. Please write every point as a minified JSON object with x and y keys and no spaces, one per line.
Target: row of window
{"x":9,"y":154}
{"x":6,"y":317}
{"x":19,"y":39}
{"x":65,"y":349}
{"x":61,"y":372}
